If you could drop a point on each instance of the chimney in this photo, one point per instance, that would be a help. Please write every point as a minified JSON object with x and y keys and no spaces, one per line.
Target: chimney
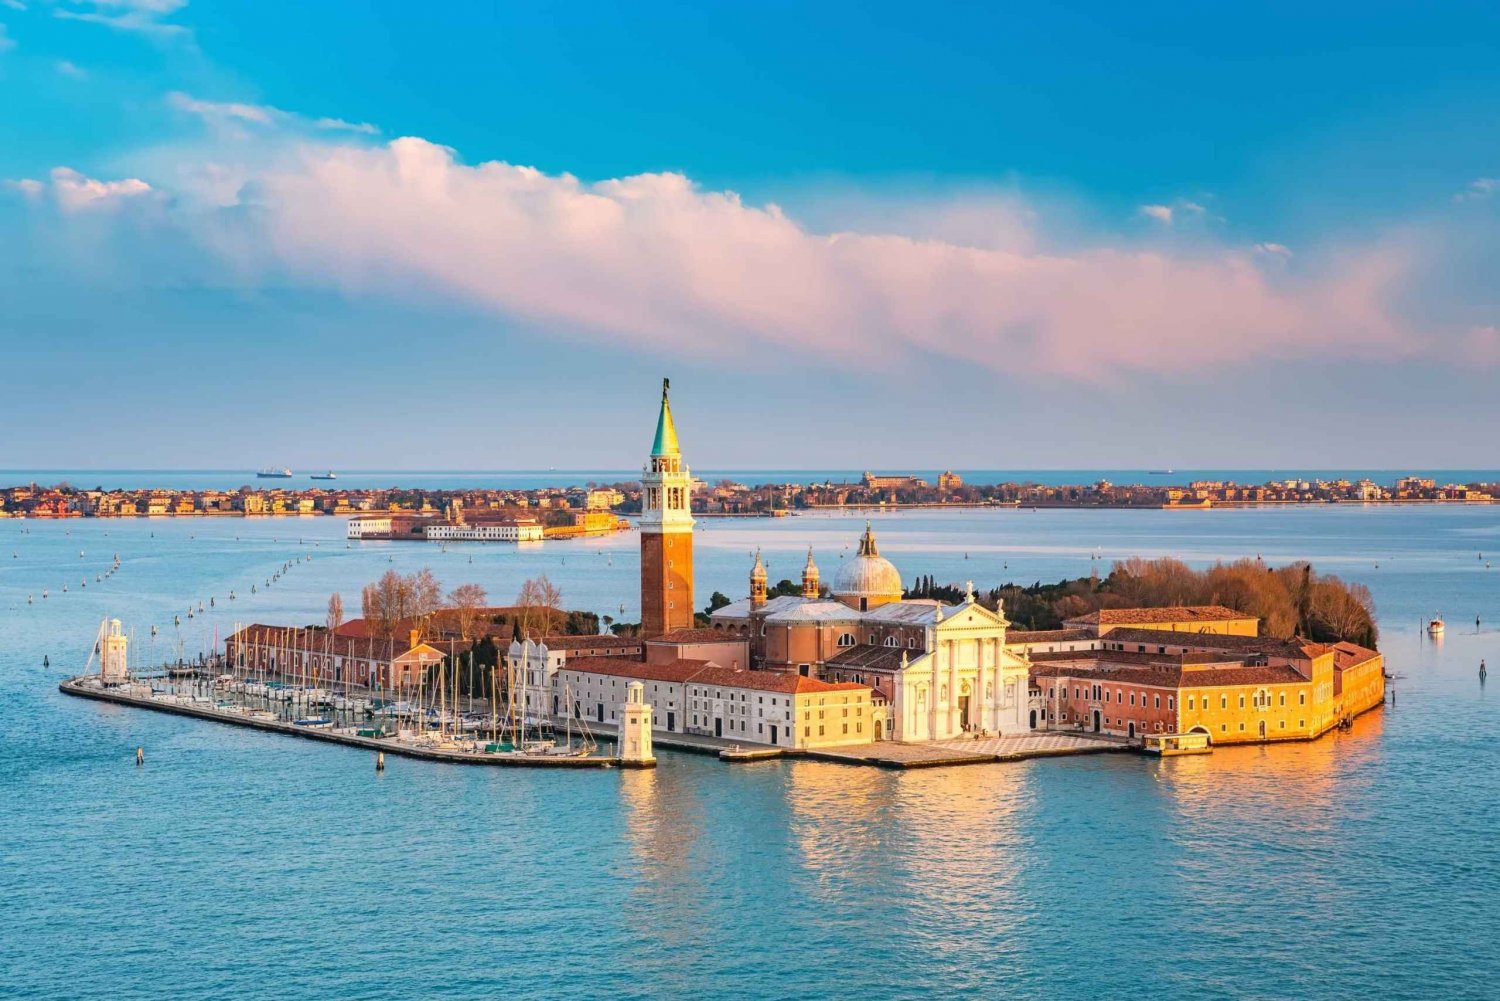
{"x":415,"y":635}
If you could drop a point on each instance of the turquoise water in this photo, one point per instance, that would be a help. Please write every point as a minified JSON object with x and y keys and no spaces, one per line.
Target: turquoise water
{"x":246,"y":865}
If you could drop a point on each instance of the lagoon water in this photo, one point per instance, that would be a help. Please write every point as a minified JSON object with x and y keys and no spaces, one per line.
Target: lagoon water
{"x":248,"y":865}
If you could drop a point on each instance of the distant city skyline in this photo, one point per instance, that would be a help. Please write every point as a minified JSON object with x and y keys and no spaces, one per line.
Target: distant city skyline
{"x":382,"y":237}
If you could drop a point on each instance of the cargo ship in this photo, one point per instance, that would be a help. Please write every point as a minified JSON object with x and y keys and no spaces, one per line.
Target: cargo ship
{"x":274,"y":474}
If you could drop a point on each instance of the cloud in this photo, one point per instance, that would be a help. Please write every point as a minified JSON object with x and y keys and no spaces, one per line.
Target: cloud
{"x":1481,"y":346}
{"x":6,"y":42}
{"x":74,"y":192}
{"x":1480,"y":188}
{"x":260,"y":114}
{"x":1169,"y":214}
{"x":69,"y":68}
{"x":27,"y":186}
{"x":656,"y":263}
{"x":13,"y":4}
{"x":339,"y":125}
{"x":144,"y":16}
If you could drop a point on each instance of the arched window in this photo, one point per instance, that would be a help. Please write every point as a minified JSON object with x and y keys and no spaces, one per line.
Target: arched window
{"x":846,"y":639}
{"x":890,"y":641}
{"x":911,"y":642}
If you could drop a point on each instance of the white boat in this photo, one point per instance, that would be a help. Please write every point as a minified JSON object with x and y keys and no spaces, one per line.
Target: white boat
{"x":1436,"y":626}
{"x":274,"y":473}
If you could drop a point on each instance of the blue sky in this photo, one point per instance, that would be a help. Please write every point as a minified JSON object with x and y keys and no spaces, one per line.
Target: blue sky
{"x":397,"y":235}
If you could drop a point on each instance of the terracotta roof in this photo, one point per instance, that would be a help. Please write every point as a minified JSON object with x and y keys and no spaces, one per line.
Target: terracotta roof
{"x":597,"y":642}
{"x":1048,"y":635}
{"x":771,"y":681}
{"x":1157,"y":675}
{"x":678,"y":671}
{"x":873,"y":658}
{"x":698,"y":636}
{"x":705,"y":672}
{"x":1279,"y":674}
{"x":1243,"y":645}
{"x":1347,"y":655}
{"x":1171,"y":613}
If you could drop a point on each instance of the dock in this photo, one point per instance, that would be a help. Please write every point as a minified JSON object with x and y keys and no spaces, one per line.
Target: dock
{"x":894,"y":755}
{"x":88,"y":688}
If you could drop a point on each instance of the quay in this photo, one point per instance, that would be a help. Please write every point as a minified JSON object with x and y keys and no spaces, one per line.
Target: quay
{"x":87,"y":687}
{"x":883,"y":754}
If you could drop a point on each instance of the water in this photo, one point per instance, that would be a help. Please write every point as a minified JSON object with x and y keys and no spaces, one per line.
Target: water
{"x":375,"y":479}
{"x":249,"y":865}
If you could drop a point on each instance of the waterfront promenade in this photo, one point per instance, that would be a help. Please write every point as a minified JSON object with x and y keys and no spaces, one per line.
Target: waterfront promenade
{"x":884,"y":754}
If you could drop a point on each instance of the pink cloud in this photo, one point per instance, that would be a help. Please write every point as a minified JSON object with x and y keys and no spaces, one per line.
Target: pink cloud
{"x":654,"y":261}
{"x":73,"y":191}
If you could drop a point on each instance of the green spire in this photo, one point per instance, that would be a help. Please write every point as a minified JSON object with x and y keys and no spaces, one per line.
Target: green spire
{"x":666,"y":431}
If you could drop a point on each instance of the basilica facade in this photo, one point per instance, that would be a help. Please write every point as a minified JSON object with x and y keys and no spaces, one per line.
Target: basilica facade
{"x":940,"y":671}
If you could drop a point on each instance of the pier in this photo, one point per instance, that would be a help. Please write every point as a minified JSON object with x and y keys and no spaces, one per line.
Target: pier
{"x":453,"y":752}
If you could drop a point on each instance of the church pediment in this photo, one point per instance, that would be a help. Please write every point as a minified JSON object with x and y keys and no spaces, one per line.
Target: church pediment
{"x":969,"y":616}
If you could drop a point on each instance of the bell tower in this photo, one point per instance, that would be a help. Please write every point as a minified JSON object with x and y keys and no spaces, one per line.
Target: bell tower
{"x":666,"y":532}
{"x":812,"y":587}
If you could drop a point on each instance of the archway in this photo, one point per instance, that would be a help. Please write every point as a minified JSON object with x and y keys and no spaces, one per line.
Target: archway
{"x":1132,"y":731}
{"x":1262,"y":729}
{"x":1033,"y":719}
{"x":1096,"y":720}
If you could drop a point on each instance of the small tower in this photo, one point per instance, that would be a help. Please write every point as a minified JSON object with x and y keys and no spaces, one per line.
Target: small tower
{"x":635,"y":729}
{"x":757,"y":582}
{"x":113,"y":669}
{"x":811,"y":586}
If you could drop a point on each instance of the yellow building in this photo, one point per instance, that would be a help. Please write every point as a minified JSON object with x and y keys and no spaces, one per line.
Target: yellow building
{"x":1228,"y":687}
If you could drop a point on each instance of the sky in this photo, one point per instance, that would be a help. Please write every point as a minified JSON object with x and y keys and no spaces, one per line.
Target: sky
{"x":388,"y":235}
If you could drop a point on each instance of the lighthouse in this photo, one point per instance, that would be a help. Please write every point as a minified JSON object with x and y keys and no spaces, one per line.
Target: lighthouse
{"x":635,"y":729}
{"x":113,"y":642}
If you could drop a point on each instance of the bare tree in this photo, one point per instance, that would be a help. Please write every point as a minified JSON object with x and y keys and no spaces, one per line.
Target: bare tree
{"x":335,"y":612}
{"x":394,"y":599}
{"x":540,"y":604}
{"x":467,"y":600}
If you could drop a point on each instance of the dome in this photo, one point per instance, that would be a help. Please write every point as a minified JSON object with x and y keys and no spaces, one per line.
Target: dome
{"x":868,"y":575}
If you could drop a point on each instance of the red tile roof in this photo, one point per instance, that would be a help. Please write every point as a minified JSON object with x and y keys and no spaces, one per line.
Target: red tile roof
{"x":1172,"y":613}
{"x":677,"y":672}
{"x":698,"y":636}
{"x":599,"y":642}
{"x":705,"y":672}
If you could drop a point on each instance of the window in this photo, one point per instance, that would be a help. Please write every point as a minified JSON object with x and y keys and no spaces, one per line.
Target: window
{"x":846,"y":639}
{"x":890,"y":641}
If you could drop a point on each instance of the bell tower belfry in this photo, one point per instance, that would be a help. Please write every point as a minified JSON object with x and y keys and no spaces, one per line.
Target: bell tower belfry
{"x":666,"y":532}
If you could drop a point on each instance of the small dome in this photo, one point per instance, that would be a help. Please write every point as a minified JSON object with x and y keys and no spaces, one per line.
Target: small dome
{"x":868,"y":575}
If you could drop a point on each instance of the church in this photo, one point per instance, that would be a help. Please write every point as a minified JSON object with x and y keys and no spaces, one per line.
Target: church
{"x":938,"y":671}
{"x":942,"y":671}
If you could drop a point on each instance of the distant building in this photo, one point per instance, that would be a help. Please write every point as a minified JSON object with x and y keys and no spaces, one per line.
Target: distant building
{"x":513,"y":530}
